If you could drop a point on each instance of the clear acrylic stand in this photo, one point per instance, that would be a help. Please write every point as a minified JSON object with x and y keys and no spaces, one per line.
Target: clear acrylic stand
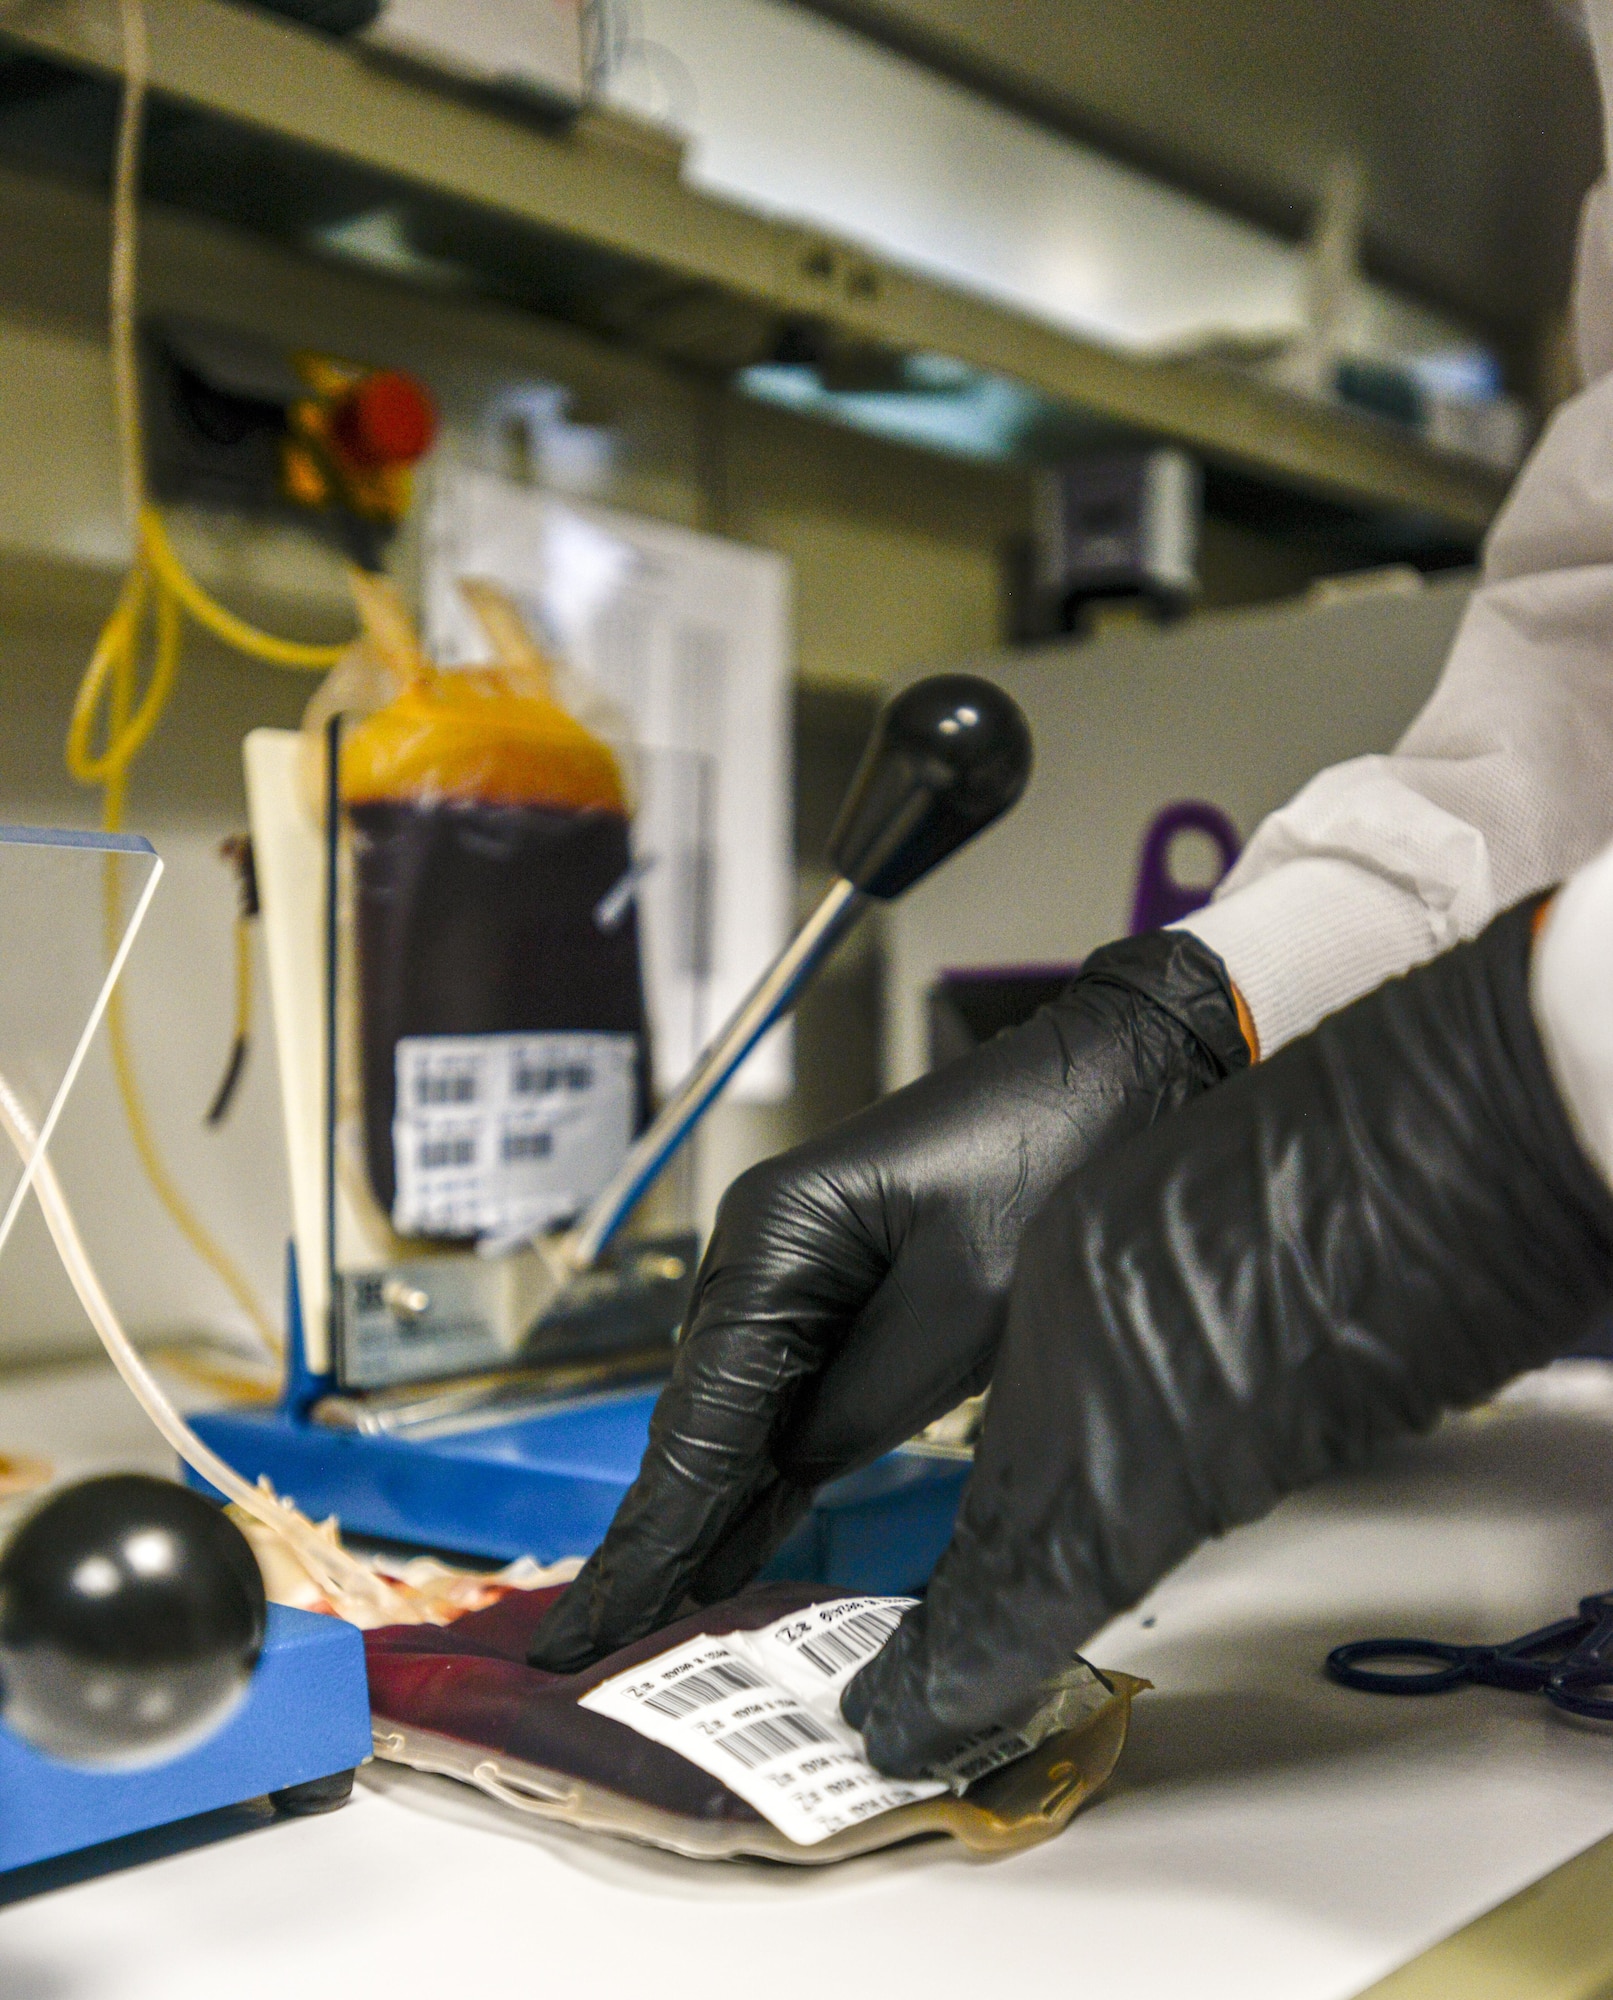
{"x":71,"y":906}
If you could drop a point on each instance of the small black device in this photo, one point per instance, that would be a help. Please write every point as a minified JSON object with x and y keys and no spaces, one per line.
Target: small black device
{"x":1125,"y":525}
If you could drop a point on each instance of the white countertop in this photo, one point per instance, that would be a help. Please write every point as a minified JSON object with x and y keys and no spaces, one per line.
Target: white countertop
{"x":1266,"y":1834}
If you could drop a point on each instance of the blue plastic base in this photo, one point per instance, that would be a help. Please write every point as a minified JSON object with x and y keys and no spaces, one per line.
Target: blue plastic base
{"x":547,"y":1486}
{"x":305,"y":1716}
{"x":544,"y":1486}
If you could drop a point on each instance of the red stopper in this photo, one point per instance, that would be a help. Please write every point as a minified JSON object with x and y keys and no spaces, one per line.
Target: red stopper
{"x":387,"y":419}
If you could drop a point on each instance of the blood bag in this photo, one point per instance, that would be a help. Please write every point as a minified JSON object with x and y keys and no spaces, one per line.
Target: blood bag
{"x":503,"y":1037}
{"x":459,"y":1700}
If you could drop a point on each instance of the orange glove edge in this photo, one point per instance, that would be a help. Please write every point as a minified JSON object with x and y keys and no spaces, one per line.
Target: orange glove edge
{"x":1246,"y":1024}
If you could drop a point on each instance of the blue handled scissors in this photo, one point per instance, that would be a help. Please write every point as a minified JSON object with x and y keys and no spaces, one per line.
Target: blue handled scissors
{"x":1569,"y":1662}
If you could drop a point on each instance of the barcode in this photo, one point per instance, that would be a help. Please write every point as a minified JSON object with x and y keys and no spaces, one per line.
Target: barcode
{"x":727,"y":1677}
{"x":528,"y":1081}
{"x":842,"y":1646}
{"x":776,"y":1737}
{"x":983,"y":1752}
{"x":445,"y":1087}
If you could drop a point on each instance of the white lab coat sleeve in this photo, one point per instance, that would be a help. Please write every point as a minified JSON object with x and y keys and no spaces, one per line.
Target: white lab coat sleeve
{"x":1504,"y":783}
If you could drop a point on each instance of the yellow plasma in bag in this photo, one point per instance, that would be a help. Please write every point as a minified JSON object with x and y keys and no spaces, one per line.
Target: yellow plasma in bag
{"x":484,"y":736}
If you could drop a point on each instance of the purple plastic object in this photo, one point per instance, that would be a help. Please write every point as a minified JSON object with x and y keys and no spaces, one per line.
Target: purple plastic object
{"x":1160,"y":898}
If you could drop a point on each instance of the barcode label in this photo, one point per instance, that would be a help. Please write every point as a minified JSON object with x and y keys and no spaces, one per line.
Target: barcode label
{"x":850,"y":1644}
{"x":761,"y":1711}
{"x":775,"y":1737}
{"x":715,"y":1684}
{"x":505,"y":1135}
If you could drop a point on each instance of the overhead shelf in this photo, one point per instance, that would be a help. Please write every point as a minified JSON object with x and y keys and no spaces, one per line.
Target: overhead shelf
{"x":319,"y":142}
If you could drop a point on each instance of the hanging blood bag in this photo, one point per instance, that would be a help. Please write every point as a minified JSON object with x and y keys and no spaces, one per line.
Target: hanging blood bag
{"x":503,"y":1039}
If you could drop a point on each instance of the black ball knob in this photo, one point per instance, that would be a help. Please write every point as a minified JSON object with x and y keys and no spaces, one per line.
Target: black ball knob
{"x":948,"y":756}
{"x":131,"y":1617}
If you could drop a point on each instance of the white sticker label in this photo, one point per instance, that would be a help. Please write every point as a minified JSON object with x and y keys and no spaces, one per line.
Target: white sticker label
{"x":502,"y":1135}
{"x":761,"y":1711}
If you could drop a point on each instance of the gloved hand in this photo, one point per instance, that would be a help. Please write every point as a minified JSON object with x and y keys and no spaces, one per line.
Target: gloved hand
{"x":854,"y":1289}
{"x":1385,"y":1221}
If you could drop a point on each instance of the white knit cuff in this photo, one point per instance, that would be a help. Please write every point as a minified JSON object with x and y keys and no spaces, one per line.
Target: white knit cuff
{"x":1309,"y":938}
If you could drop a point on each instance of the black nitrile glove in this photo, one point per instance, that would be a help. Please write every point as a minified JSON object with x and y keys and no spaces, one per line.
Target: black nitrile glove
{"x":1385,"y":1221}
{"x":855,"y":1288}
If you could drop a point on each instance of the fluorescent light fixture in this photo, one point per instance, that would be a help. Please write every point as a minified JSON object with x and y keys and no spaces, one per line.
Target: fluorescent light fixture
{"x":949,"y":407}
{"x":379,"y":239}
{"x":793,"y":115}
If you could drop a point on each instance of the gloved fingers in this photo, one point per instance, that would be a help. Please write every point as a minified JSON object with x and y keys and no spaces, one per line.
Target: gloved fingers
{"x":940,"y":1681}
{"x":1022,"y":1581}
{"x":885,"y":1701}
{"x":890,"y":1376}
{"x":903,"y":1363}
{"x":754,"y":1419}
{"x":800,"y":1241}
{"x":923,"y":1696}
{"x":1026,"y":1576}
{"x":564,"y":1642}
{"x":899,"y":1230}
{"x":787,"y":1266}
{"x":706,"y":1459}
{"x":638,"y":1577}
{"x":886,"y":1381}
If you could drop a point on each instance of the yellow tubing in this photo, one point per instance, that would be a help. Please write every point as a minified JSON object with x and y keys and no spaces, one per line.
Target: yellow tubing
{"x":158,"y":588}
{"x":159,"y":584}
{"x":171,"y":574}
